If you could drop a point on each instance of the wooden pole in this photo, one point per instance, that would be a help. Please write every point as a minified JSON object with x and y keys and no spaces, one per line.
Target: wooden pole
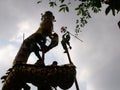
{"x":76,"y":83}
{"x":43,"y":57}
{"x":43,"y":54}
{"x":23,"y":36}
{"x":69,"y":56}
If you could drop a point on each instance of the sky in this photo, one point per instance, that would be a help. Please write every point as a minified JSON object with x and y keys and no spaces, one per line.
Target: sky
{"x":96,"y":59}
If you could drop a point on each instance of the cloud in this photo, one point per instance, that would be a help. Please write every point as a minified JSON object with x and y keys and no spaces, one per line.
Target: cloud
{"x":7,"y":53}
{"x":25,"y":29}
{"x":96,"y":59}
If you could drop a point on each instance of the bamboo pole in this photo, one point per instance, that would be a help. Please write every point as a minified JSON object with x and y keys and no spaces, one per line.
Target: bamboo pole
{"x":70,"y":61}
{"x":43,"y":54}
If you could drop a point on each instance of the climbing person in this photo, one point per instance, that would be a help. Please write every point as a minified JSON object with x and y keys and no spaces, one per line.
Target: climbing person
{"x":54,"y":64}
{"x":65,"y":39}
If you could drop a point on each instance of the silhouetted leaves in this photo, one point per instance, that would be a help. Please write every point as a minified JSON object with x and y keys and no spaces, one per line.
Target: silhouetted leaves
{"x":113,"y":5}
{"x":64,"y":8}
{"x":52,"y":4}
{"x":107,"y":10}
{"x":84,"y":8}
{"x":39,"y":2}
{"x":61,"y":1}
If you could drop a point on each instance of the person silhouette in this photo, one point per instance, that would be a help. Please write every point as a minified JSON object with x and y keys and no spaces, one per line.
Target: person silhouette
{"x":65,"y":39}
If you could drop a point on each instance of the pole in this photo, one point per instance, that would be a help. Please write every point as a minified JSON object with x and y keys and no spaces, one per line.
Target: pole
{"x":43,"y":57}
{"x":63,"y":29}
{"x":76,"y":83}
{"x":23,"y":36}
{"x":76,"y":37}
{"x":68,"y":56}
{"x":43,"y":53}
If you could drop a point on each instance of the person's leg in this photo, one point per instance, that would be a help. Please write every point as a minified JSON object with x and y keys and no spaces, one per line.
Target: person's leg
{"x":64,"y":45}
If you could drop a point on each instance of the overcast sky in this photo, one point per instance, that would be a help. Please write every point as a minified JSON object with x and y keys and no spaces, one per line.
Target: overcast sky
{"x":96,"y":59}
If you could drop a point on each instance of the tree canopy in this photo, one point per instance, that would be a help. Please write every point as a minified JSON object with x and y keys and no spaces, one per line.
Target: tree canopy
{"x":84,"y":8}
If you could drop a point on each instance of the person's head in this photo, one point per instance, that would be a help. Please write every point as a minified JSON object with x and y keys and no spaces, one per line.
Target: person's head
{"x":54,"y":63}
{"x":63,"y":29}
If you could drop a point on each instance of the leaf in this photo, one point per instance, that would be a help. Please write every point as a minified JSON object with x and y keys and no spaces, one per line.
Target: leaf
{"x":88,"y":5}
{"x":61,"y":1}
{"x":52,"y":4}
{"x":77,"y":21}
{"x":76,"y":31}
{"x":77,"y":8}
{"x":62,"y":9}
{"x":78,"y":13}
{"x":84,"y":13}
{"x":63,"y":5}
{"x":85,"y":21}
{"x":77,"y":26}
{"x":113,"y":12}
{"x":107,"y":10}
{"x":39,"y":1}
{"x":67,"y":9}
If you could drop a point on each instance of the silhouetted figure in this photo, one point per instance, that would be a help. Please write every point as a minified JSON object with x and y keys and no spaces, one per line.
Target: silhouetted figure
{"x":36,"y":42}
{"x":65,"y":39}
{"x":55,"y":63}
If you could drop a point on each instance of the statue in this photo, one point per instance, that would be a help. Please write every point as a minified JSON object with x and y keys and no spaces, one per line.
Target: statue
{"x":31,"y":43}
{"x":39,"y":74}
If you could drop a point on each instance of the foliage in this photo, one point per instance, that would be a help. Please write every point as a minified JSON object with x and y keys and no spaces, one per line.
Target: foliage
{"x":113,"y":5}
{"x":84,"y":8}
